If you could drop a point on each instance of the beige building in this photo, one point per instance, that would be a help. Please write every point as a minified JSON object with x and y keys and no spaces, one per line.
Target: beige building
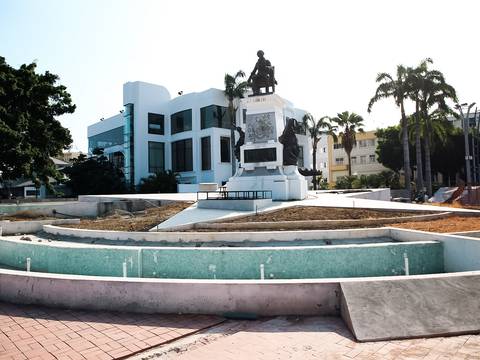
{"x":364,"y":159}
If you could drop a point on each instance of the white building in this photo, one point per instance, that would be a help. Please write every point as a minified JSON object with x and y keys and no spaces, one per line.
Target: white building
{"x":189,"y":134}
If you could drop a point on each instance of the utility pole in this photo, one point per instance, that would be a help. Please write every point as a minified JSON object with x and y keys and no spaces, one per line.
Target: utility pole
{"x":466,"y":127}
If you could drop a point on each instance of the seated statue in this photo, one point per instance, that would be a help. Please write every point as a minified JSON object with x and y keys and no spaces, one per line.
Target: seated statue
{"x":262,"y":76}
{"x":288,"y":139}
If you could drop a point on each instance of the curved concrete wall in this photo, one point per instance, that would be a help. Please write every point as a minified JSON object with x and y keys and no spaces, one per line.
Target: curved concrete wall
{"x":290,"y":262}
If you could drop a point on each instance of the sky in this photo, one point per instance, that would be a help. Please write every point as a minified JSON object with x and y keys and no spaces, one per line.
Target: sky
{"x":326,"y":53}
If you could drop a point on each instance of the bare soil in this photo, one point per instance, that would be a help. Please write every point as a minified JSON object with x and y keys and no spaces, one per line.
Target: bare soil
{"x":322,"y":213}
{"x":141,"y":221}
{"x":447,"y":225}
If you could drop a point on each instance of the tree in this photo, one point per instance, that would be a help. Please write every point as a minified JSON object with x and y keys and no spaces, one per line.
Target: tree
{"x":398,"y":89}
{"x":30,"y":134}
{"x":351,"y":123}
{"x":389,"y":148}
{"x":94,"y":175}
{"x":160,"y":182}
{"x":316,"y":129}
{"x":234,"y":90}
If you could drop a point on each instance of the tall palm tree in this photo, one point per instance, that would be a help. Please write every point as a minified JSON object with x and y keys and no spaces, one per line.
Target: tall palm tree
{"x":235,"y":89}
{"x":351,"y":123}
{"x":316,"y":129}
{"x":397,"y":88}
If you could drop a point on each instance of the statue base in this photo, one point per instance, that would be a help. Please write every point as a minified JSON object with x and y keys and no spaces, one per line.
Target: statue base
{"x":285,"y":182}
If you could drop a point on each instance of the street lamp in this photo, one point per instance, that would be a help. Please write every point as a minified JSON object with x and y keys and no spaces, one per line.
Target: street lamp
{"x":466,"y":126}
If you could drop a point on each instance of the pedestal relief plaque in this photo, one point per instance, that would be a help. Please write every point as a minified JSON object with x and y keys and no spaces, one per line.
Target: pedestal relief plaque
{"x":260,"y":128}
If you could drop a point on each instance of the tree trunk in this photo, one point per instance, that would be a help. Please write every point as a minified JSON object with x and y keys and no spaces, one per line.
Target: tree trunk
{"x":406,"y":152}
{"x":314,"y":165}
{"x":428,"y":166}
{"x":232,"y":137}
{"x":349,"y":163}
{"x":418,"y":148}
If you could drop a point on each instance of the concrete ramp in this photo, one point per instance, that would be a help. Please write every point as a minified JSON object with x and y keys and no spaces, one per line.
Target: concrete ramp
{"x":406,"y":308}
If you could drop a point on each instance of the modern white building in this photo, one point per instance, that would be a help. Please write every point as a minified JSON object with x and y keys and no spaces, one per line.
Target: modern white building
{"x":189,"y":134}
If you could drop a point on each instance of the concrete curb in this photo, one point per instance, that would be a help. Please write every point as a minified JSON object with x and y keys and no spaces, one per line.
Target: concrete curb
{"x":31,"y":226}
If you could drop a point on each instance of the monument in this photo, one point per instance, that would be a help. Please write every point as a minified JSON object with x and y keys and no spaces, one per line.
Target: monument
{"x":268,"y":149}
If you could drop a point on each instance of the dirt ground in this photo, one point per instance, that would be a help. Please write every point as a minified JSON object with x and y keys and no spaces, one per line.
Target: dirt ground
{"x":141,"y":221}
{"x":451,"y":224}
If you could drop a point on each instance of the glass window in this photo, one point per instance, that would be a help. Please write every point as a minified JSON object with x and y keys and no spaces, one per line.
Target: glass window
{"x":372,"y":158}
{"x":181,"y":121}
{"x":324,"y":150}
{"x":354,"y":160}
{"x":206,"y":153}
{"x":182,"y":156}
{"x":362,"y":143}
{"x":224,"y":149}
{"x":363,"y":159}
{"x":106,"y":139}
{"x":338,"y":161}
{"x":156,"y":124}
{"x":244,"y":116}
{"x":214,"y":116}
{"x":300,"y":161}
{"x":338,"y":146}
{"x":371,"y":142}
{"x":156,"y":156}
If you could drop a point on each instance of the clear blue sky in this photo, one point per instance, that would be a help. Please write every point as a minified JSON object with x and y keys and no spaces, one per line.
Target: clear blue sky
{"x":326,"y":53}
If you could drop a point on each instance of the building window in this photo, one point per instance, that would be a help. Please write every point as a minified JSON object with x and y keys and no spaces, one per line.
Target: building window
{"x":181,"y":121}
{"x":324,"y":149}
{"x":371,"y":142}
{"x":362,"y":143}
{"x":182,"y":156}
{"x":215,"y":116}
{"x":363,"y":159}
{"x":300,"y":161}
{"x":206,"y":153}
{"x":156,"y":124}
{"x":244,"y":116}
{"x":339,"y":161}
{"x":372,"y":158}
{"x":156,"y":156}
{"x":338,"y":146}
{"x":353,"y":160}
{"x":224,"y":149}
{"x":106,"y":139}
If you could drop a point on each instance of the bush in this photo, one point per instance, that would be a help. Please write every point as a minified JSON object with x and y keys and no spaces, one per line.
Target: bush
{"x":386,"y":178}
{"x":161,"y":182}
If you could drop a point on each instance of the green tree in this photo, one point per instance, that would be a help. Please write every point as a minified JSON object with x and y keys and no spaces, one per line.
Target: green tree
{"x":390,"y":148}
{"x":350,"y":123}
{"x":30,"y":134}
{"x":160,"y":182}
{"x":94,"y":175}
{"x":235,"y":90}
{"x":316,"y":129}
{"x":398,"y":89}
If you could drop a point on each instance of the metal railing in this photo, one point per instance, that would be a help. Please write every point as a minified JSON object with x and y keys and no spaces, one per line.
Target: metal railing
{"x":234,"y":195}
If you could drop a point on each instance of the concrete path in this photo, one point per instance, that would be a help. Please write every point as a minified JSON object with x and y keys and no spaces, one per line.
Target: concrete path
{"x":300,"y":338}
{"x":38,"y":333}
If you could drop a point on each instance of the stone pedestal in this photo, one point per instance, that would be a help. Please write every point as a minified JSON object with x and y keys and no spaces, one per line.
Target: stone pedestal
{"x":261,"y":165}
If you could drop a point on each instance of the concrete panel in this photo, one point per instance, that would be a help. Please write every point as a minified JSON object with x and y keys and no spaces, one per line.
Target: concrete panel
{"x":265,"y":298}
{"x":238,"y":205}
{"x":32,"y":226}
{"x":413,"y":307}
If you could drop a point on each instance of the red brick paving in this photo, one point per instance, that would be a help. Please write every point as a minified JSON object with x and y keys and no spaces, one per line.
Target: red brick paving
{"x":40,"y":333}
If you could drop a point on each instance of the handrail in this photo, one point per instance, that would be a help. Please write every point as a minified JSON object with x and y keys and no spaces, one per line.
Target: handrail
{"x":235,"y":194}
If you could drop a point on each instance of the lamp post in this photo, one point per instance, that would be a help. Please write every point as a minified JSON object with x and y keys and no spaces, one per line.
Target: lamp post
{"x":466,"y":126}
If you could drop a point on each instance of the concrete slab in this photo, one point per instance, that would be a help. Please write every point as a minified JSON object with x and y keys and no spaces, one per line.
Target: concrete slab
{"x":413,"y":307}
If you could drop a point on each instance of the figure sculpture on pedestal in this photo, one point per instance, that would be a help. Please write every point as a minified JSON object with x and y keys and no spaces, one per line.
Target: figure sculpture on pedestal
{"x":262,"y":76}
{"x":240,"y":142}
{"x":289,"y":141}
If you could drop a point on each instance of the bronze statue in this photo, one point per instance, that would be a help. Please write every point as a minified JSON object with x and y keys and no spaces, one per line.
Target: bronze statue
{"x":262,"y":76}
{"x":240,"y":142}
{"x":289,"y":140}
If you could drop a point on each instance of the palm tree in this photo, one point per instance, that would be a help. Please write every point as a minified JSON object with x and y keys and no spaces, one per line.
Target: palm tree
{"x":351,"y":124}
{"x":235,"y":90}
{"x":398,"y":89}
{"x":316,"y":128}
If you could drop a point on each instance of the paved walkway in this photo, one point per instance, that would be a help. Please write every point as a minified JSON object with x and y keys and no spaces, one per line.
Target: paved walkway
{"x":307,"y":338}
{"x":38,"y":333}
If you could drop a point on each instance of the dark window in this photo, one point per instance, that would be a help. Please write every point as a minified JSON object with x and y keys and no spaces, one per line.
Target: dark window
{"x":214,"y":116}
{"x":300,"y":162}
{"x":156,"y":124}
{"x":182,"y":158}
{"x":156,"y":156}
{"x":224,"y":149}
{"x":244,"y":116}
{"x":106,"y":139}
{"x":206,"y":154}
{"x":181,"y":121}
{"x":260,"y":155}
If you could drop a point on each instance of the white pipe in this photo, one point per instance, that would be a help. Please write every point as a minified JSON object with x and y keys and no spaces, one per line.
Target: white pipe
{"x":29,"y":263}
{"x":124,"y":269}
{"x":262,"y":272}
{"x":407,"y":267}
{"x":140,"y":263}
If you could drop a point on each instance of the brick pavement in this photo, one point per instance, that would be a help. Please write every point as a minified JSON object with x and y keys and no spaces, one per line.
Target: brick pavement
{"x":39,"y":333}
{"x":310,"y":338}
